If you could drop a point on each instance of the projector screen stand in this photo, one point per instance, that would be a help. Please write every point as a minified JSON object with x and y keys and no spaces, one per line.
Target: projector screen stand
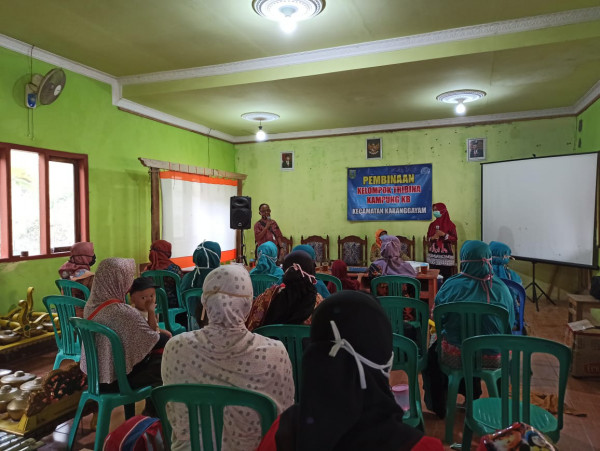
{"x":534,"y":285}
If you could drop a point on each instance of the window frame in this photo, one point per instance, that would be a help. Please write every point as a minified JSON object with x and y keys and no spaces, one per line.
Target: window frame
{"x":81,"y":197}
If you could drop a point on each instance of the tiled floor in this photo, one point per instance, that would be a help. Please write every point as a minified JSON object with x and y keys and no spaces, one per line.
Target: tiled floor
{"x":580,"y":433}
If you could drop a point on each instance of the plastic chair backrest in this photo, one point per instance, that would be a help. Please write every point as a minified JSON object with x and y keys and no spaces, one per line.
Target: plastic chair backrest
{"x":395,"y":284}
{"x":472,"y":317}
{"x":329,"y":278}
{"x":405,"y":359}
{"x":159,"y":276}
{"x":260,"y":282}
{"x":88,"y":330}
{"x":516,"y":352}
{"x":518,"y":290}
{"x":292,"y":336}
{"x":205,"y":404}
{"x":191,"y":298}
{"x":64,"y":307}
{"x":394,"y":308}
{"x":65,"y":286}
{"x":162,"y":308}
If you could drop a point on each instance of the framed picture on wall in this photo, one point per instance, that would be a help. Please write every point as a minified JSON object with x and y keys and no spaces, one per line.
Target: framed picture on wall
{"x":476,"y":149}
{"x":374,"y":149}
{"x":287,"y":160}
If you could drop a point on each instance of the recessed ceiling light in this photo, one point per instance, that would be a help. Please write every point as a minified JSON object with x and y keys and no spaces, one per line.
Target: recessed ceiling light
{"x":288,"y":12}
{"x":460,"y":97}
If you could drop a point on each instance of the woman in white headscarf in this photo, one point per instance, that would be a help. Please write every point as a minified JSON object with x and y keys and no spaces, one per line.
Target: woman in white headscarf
{"x":226,"y":353}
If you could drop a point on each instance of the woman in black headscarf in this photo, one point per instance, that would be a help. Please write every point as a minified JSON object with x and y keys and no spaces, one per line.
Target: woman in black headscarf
{"x":291,"y":302}
{"x":346,"y":401}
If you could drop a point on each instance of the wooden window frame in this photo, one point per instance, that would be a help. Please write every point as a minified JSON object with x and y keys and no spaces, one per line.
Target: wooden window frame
{"x":81,"y":198}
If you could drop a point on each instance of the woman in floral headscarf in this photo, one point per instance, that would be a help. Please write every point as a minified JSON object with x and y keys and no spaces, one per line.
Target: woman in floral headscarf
{"x":226,"y":353}
{"x":207,"y":257}
{"x":440,"y":235}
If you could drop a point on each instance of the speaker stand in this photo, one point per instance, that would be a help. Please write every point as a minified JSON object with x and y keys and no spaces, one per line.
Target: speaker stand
{"x":242,"y":258}
{"x":534,"y":285}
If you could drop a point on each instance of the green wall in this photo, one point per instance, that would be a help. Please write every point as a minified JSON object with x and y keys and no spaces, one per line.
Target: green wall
{"x":83,"y":120}
{"x":312,"y":198}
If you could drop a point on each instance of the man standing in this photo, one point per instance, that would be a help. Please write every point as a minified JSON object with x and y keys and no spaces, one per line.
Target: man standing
{"x":266,"y":229}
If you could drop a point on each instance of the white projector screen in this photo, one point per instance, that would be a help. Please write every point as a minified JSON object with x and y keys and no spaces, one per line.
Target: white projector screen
{"x":543,"y":208}
{"x":195,"y":208}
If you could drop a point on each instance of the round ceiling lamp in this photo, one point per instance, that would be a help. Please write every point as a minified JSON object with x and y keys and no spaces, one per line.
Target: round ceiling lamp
{"x":460,"y":97}
{"x":288,"y":12}
{"x":260,"y":117}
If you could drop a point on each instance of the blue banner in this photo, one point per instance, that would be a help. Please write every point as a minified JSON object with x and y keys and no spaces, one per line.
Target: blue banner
{"x":390,"y":193}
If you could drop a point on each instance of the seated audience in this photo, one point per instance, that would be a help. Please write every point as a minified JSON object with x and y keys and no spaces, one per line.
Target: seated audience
{"x":391,"y":262}
{"x":142,"y":343}
{"x":160,"y":260}
{"x":291,"y":302}
{"x":339,"y":269}
{"x":267,"y":260}
{"x":226,"y":353}
{"x":143,"y":298}
{"x":77,"y":268}
{"x":500,"y":258}
{"x":376,"y":247}
{"x":207,"y":257}
{"x":346,"y":401}
{"x":321,"y":287}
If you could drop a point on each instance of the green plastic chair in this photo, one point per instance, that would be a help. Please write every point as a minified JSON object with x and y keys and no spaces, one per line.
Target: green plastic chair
{"x":260,"y":282}
{"x":162,"y":306}
{"x":329,"y":278}
{"x":394,"y":308}
{"x":487,"y":415}
{"x":159,"y":277}
{"x":395,"y":284}
{"x":126,"y":396}
{"x":205,"y":405}
{"x":405,"y":359}
{"x":191,"y":298}
{"x":472,"y":317}
{"x":292,"y":336}
{"x":65,"y":286}
{"x":67,"y":340}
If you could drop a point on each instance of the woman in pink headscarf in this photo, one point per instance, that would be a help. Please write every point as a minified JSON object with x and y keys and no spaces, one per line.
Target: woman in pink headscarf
{"x":160,"y":259}
{"x":78,"y":266}
{"x":339,"y":269}
{"x":440,"y":235}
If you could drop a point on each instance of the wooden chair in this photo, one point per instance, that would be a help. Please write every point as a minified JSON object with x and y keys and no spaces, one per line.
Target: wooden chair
{"x":319,"y":244}
{"x":353,"y":250}
{"x":288,"y":245}
{"x":410,"y":245}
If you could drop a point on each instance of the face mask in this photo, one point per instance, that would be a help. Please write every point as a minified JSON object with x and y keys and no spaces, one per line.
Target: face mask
{"x":437,"y":214}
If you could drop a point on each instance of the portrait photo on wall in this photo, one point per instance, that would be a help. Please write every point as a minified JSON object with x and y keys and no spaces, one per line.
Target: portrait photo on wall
{"x":374,"y":148}
{"x":287,"y":161}
{"x":476,"y":148}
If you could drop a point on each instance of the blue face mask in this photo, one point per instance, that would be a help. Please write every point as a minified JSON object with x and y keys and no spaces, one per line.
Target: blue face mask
{"x":437,"y":214}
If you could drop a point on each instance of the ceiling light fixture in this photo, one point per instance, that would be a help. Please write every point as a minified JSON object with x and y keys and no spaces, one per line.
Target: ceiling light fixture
{"x":260,"y":117}
{"x":460,"y":97}
{"x":288,"y":12}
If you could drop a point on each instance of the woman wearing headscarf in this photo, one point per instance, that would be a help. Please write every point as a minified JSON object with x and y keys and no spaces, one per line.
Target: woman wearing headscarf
{"x":139,"y":337}
{"x":291,"y":302}
{"x":160,"y":259}
{"x":339,"y":269}
{"x":391,"y":261}
{"x":376,"y":247}
{"x":440,"y":235}
{"x":500,"y":258}
{"x":225,"y":353}
{"x":267,"y":260}
{"x":207,"y":257}
{"x":77,"y":268}
{"x":321,"y":287}
{"x":346,"y":401}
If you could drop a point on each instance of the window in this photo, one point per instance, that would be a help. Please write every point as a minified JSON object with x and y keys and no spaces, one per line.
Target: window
{"x":43,"y":201}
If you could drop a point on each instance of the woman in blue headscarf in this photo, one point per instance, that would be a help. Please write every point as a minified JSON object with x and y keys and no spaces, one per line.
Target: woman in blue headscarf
{"x":500,"y":258}
{"x":475,"y":283}
{"x":207,"y":257}
{"x":321,"y":287}
{"x":267,"y":260}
